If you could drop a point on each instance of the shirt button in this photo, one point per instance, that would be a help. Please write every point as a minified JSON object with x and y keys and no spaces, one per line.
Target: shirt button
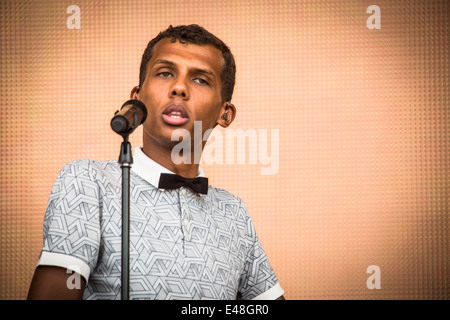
{"x":186,"y":222}
{"x":183,"y":192}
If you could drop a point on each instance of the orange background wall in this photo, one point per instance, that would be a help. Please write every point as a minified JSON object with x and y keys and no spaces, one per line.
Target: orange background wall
{"x":362,"y":115}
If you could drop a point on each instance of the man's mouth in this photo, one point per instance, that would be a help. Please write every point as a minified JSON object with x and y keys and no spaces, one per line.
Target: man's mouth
{"x":175,"y":115}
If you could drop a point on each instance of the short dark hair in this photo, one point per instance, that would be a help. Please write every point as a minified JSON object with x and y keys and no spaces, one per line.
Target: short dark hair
{"x":195,"y":34}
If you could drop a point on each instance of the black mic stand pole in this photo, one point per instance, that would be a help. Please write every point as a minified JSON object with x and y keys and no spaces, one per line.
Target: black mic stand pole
{"x":125,"y":160}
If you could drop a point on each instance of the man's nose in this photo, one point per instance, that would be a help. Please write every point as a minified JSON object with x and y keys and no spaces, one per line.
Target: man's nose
{"x":180,"y":89}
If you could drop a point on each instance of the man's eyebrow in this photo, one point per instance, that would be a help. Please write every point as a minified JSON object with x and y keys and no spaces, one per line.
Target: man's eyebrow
{"x":162,"y":61}
{"x":200,"y":70}
{"x":204,"y":71}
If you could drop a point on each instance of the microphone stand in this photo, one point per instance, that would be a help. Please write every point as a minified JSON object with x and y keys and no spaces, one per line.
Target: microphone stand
{"x":126,"y":159}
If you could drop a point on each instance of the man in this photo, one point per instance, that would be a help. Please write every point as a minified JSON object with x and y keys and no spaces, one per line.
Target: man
{"x":183,"y":244}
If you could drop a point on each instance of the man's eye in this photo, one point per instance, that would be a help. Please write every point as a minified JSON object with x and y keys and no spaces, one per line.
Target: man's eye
{"x":164,"y":74}
{"x":201,"y":81}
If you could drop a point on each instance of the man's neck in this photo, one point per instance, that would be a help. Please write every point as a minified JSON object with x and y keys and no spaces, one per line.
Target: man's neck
{"x":163,"y":157}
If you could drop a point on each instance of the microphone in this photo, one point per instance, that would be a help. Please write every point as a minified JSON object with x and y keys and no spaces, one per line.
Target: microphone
{"x":132,"y":114}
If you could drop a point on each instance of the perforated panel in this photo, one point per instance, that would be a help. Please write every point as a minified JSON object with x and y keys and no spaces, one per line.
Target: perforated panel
{"x":361,"y":114}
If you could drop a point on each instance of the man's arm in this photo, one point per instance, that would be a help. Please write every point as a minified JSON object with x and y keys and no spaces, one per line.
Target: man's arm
{"x":51,"y":283}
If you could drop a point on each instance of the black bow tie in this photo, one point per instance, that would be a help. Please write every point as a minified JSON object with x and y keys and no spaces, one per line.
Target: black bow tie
{"x":174,"y":181}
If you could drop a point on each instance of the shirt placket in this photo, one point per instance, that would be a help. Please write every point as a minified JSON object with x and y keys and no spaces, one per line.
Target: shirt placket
{"x":183,"y":194}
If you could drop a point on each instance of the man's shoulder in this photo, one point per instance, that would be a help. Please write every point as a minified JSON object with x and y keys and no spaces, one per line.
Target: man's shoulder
{"x":91,"y":168}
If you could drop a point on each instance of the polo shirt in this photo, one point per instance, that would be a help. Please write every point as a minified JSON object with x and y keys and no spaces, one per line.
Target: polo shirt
{"x":183,"y":245}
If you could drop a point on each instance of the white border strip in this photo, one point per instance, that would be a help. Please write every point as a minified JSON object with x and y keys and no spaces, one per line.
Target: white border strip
{"x":64,"y":261}
{"x":273,"y":293}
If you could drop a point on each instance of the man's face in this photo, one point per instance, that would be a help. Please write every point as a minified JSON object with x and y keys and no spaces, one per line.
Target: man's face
{"x":182,"y":85}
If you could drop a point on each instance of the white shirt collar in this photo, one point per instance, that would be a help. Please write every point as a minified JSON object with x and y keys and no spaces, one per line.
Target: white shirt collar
{"x":150,"y":170}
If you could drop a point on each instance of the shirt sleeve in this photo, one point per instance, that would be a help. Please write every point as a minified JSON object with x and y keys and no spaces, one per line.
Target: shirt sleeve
{"x":72,"y":220}
{"x":258,"y":280}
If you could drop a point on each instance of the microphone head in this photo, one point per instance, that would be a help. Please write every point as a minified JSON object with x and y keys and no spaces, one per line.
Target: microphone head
{"x":124,"y":121}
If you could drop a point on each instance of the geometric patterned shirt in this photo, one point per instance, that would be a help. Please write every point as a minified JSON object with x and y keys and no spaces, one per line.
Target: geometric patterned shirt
{"x":183,"y":245}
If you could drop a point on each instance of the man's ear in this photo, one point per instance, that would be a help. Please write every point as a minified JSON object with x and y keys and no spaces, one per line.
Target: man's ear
{"x":134,"y":94}
{"x":227,"y":115}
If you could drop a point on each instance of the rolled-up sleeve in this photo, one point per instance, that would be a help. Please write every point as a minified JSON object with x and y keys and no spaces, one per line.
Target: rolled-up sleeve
{"x":72,"y":220}
{"x":258,"y":280}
